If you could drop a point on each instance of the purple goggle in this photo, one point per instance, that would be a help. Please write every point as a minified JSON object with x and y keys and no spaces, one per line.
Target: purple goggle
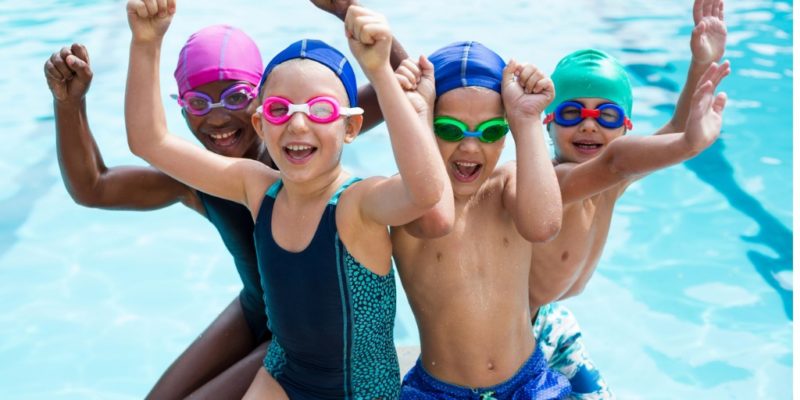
{"x":236,"y":97}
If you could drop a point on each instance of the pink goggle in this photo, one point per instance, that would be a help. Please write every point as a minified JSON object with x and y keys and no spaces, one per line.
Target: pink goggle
{"x":320,"y":109}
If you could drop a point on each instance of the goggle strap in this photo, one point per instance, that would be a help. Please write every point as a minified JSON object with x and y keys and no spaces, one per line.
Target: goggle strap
{"x":549,"y":118}
{"x":349,"y":111}
{"x":628,"y":124}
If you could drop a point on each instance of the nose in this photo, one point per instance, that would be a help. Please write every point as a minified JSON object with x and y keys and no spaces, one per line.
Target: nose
{"x":298,"y":122}
{"x":469,"y":145}
{"x":588,"y":124}
{"x":218,"y":116}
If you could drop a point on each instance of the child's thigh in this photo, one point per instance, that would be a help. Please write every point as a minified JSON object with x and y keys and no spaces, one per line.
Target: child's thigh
{"x":264,"y":386}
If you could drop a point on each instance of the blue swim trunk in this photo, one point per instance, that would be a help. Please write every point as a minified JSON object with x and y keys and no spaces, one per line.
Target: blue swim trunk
{"x":533,"y":381}
{"x":558,"y":336}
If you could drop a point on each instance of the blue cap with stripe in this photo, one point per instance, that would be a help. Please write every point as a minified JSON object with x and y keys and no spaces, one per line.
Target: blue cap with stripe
{"x":463,"y":64}
{"x":324,"y":54}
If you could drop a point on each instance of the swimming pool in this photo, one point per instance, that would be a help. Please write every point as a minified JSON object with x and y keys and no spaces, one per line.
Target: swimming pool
{"x":692,"y":298}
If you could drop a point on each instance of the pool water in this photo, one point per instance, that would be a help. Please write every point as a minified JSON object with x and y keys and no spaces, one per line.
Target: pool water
{"x":693,"y":296}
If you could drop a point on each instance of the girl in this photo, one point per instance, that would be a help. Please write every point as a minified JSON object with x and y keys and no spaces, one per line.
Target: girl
{"x":321,"y":238}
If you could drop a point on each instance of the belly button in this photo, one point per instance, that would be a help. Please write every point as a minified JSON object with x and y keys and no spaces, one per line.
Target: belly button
{"x":490,"y":366}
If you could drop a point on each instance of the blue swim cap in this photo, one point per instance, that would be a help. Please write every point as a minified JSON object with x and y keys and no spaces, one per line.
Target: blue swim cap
{"x":463,"y":64}
{"x":324,"y":54}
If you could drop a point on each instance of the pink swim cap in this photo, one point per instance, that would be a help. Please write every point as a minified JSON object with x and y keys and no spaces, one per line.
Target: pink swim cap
{"x":215,"y":53}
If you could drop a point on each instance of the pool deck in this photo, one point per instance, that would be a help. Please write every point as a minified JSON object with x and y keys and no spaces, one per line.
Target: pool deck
{"x":408,"y":356}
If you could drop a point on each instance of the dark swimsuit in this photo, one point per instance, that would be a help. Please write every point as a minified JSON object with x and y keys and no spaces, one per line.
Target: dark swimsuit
{"x":235,"y":225}
{"x":332,"y":318}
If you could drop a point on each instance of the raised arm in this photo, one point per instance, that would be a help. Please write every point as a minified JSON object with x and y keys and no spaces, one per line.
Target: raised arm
{"x":419,"y":186}
{"x":531,"y":192}
{"x":85,"y":175}
{"x":146,"y":123}
{"x":417,"y":79}
{"x":708,"y":45}
{"x":367,"y":98}
{"x":631,"y":156}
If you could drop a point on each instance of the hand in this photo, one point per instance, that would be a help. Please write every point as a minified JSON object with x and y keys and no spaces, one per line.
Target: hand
{"x":335,"y":7}
{"x":68,"y":73}
{"x":526,"y":91}
{"x":149,"y":19}
{"x":418,"y":82}
{"x":710,"y":32}
{"x":369,"y":37}
{"x":705,"y":115}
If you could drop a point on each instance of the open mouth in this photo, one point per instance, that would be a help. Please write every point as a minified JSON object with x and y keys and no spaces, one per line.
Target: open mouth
{"x":466,"y":171}
{"x":587,"y":147}
{"x":299,"y":153}
{"x":225,"y":139}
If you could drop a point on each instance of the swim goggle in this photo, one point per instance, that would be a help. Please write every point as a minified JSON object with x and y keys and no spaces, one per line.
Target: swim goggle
{"x":320,"y":109}
{"x":236,"y":97}
{"x":571,"y":113}
{"x":453,"y":130}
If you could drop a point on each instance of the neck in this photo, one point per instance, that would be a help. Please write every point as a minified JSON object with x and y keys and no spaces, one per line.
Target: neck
{"x":321,"y":186}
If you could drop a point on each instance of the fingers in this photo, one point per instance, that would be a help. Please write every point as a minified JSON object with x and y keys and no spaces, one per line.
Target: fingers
{"x":79,"y":50}
{"x":366,"y":26}
{"x":697,"y":11}
{"x":408,"y":74}
{"x":721,"y":10}
{"x":723,"y":71}
{"x":719,"y":102}
{"x":529,"y":77}
{"x":51,"y":72}
{"x":426,"y":68}
{"x":708,"y":7}
{"x":79,"y":67}
{"x":372,"y":33}
{"x":151,"y":8}
{"x":510,"y":73}
{"x":58,"y":61}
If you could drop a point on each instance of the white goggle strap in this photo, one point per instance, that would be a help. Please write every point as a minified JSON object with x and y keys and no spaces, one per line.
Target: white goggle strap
{"x":348,"y":111}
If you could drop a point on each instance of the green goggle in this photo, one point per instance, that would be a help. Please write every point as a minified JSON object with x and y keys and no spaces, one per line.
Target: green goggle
{"x":453,"y":130}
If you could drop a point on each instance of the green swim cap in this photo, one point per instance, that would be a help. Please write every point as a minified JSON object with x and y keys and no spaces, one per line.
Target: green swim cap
{"x":591,"y":73}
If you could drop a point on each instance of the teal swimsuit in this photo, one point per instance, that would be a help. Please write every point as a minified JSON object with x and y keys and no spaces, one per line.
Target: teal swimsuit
{"x":332,"y":319}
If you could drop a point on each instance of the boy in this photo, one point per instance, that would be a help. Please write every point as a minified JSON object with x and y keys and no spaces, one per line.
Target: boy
{"x":468,"y":289}
{"x":595,"y":163}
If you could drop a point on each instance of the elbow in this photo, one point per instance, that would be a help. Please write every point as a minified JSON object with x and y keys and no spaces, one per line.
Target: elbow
{"x":544,"y":230}
{"x":439,"y":227}
{"x":88,"y":197}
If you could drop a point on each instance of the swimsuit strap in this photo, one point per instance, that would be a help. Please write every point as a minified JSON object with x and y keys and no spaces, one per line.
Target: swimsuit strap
{"x":274,"y":189}
{"x":335,"y":199}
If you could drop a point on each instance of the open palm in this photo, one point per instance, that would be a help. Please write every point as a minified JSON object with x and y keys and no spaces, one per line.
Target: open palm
{"x":710,"y":32}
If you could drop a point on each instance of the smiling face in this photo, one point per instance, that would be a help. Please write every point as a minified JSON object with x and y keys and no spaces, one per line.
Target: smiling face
{"x":223,"y":131}
{"x":470,"y":162}
{"x":583,"y":141}
{"x":303,"y":149}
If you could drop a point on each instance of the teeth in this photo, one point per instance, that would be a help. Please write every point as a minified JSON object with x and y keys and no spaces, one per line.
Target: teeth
{"x":224,"y":135}
{"x":466,"y":164}
{"x":298,"y":147}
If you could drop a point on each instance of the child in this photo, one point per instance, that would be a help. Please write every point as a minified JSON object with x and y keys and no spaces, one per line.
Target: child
{"x":324,"y":254}
{"x":222,"y":361}
{"x":468,"y":289}
{"x":229,"y":352}
{"x":596,"y":162}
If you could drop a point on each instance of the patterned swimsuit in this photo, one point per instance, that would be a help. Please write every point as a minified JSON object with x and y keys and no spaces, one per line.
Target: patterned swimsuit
{"x":332,"y":319}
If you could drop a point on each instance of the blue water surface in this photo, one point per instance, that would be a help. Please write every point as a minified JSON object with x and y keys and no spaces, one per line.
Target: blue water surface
{"x":692,"y":299}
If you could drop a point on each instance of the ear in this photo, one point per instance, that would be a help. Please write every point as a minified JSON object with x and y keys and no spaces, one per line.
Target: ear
{"x":352,"y":127}
{"x":257,"y":122}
